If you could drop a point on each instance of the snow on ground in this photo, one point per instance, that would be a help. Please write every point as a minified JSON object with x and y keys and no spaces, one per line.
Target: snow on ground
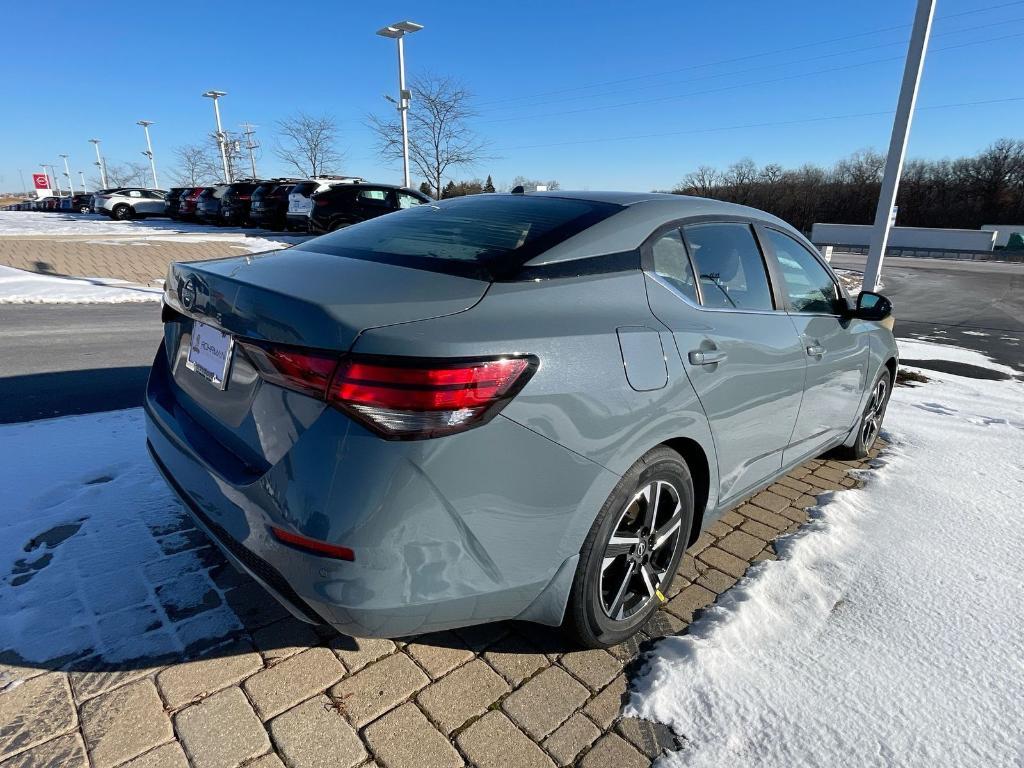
{"x":96,"y":555}
{"x":20,"y":287}
{"x":890,"y":630}
{"x":139,"y":232}
{"x":35,"y":223}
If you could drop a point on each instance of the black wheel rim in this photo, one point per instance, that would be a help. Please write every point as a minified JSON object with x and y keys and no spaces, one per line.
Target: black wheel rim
{"x":640,"y":550}
{"x":873,"y":416}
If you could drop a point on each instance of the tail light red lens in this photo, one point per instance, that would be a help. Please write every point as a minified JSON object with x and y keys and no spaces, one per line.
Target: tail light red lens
{"x":399,"y":398}
{"x":315,"y":546}
{"x":321,"y":201}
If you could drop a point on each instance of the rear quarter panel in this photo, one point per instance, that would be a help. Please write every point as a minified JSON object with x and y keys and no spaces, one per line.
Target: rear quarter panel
{"x":579,"y":397}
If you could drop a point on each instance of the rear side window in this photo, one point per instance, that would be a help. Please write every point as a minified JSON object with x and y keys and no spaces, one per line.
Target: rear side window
{"x":729,"y":265}
{"x":672,"y":264}
{"x":489,"y":236}
{"x":809,"y":286}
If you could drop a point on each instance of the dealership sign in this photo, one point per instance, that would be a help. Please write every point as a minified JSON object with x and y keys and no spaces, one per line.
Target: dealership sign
{"x":42,"y":184}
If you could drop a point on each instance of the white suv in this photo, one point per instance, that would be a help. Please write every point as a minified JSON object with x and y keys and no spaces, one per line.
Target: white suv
{"x":299,"y":199}
{"x":132,"y":203}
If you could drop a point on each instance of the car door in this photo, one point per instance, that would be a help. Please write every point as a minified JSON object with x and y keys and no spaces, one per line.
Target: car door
{"x":836,"y":347}
{"x":152,"y":202}
{"x":374,"y":201}
{"x":708,"y":283}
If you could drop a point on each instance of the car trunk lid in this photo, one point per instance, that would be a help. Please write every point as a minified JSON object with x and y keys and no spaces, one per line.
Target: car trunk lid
{"x":290,"y":298}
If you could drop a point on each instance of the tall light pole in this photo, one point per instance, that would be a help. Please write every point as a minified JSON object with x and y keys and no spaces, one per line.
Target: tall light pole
{"x":398,"y":31}
{"x":99,"y":162}
{"x":149,"y":150}
{"x":67,"y":172}
{"x":85,"y":187}
{"x":898,"y":142}
{"x":53,"y":173}
{"x":221,"y":139}
{"x":21,"y":175}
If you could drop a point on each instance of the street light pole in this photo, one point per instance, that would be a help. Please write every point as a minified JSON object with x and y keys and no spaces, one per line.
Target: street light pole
{"x":398,"y":31}
{"x":52,"y":172}
{"x":99,"y":162}
{"x":85,"y":187}
{"x":149,"y":150}
{"x":67,"y":172}
{"x":898,"y":142}
{"x":221,"y":142}
{"x":24,"y":188}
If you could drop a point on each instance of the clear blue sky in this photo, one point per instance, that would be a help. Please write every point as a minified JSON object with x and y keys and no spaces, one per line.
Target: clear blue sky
{"x":558,"y":84}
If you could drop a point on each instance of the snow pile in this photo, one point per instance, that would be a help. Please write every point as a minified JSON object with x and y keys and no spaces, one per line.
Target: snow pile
{"x":33,"y":224}
{"x":20,"y":287}
{"x":96,"y":556}
{"x":890,"y":631}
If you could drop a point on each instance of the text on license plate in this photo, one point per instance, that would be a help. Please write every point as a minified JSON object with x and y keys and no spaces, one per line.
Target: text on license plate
{"x":209,"y":354}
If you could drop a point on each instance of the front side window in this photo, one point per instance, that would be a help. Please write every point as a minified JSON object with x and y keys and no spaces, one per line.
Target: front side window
{"x":673,"y":265}
{"x":809,"y":286}
{"x":731,"y":270}
{"x":375,"y":197}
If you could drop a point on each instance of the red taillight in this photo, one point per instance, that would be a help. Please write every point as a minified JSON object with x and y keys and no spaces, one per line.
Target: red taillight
{"x":399,"y":397}
{"x":321,"y":201}
{"x":426,"y":398}
{"x":301,"y":370}
{"x":315,"y":546}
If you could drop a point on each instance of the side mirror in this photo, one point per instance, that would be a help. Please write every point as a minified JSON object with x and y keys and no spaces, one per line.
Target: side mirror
{"x":872,"y":306}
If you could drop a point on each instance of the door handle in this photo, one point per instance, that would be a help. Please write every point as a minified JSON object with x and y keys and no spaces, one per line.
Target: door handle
{"x":815,"y":349}
{"x":709,"y":357}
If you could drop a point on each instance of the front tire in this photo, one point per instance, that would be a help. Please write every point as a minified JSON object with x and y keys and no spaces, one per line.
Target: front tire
{"x":121,"y":212}
{"x":870,"y":424}
{"x":632,"y":551}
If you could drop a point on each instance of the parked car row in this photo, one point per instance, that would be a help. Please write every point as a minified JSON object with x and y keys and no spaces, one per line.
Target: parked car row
{"x":318,"y":205}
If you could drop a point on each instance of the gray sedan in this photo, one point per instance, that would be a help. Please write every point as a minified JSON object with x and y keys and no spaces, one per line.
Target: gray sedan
{"x":505,"y":406}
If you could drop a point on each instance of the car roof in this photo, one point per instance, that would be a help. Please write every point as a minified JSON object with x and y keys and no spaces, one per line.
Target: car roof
{"x":642,"y":213}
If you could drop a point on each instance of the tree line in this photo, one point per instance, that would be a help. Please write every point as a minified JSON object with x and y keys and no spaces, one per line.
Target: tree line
{"x":959,"y":193}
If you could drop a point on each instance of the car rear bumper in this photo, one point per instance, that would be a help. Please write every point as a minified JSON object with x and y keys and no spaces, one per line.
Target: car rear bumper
{"x":470,"y":528}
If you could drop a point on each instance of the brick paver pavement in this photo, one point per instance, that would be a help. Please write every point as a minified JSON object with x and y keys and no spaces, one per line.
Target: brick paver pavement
{"x":278,"y":692}
{"x":137,"y":260}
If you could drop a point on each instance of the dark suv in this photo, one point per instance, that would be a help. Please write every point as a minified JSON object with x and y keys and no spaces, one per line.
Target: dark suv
{"x":346,"y":204}
{"x":174,"y":201}
{"x":236,"y":202}
{"x":208,"y":205}
{"x":270,"y":204}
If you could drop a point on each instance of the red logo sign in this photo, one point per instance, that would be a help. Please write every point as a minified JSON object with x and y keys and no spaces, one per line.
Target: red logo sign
{"x":41,"y":180}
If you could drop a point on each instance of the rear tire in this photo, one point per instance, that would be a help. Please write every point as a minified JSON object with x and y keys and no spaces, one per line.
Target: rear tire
{"x":870,"y":424}
{"x":616,"y":587}
{"x":122,"y":212}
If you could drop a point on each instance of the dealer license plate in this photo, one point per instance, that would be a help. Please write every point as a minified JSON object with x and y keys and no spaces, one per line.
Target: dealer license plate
{"x":209,"y":354}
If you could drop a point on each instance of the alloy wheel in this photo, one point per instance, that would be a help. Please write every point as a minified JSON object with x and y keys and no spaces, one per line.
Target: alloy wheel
{"x":873,"y":416}
{"x":640,"y":550}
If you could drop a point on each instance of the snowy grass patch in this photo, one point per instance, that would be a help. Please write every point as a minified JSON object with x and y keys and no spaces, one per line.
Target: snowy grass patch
{"x":20,"y":287}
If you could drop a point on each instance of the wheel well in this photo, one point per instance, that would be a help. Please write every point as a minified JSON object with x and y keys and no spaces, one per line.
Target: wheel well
{"x":697,"y":461}
{"x":891,"y":365}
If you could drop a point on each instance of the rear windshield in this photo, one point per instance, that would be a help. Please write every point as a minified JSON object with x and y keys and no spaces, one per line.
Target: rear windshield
{"x":488,"y":236}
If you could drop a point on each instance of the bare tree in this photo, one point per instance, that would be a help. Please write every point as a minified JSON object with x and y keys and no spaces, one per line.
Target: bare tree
{"x":440,"y":138}
{"x":125,"y":175}
{"x":197,"y":165}
{"x":309,"y":143}
{"x":701,"y":182}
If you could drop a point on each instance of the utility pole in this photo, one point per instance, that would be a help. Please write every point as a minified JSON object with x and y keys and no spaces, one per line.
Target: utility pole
{"x":53,"y":173}
{"x":221,"y":138}
{"x":99,"y":162}
{"x":149,"y":150}
{"x":250,"y":144}
{"x":24,"y":189}
{"x":898,"y":142}
{"x":67,"y":172}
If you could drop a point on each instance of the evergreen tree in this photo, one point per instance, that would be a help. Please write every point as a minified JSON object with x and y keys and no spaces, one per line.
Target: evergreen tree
{"x":426,"y":189}
{"x":489,"y":184}
{"x":449,"y":190}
